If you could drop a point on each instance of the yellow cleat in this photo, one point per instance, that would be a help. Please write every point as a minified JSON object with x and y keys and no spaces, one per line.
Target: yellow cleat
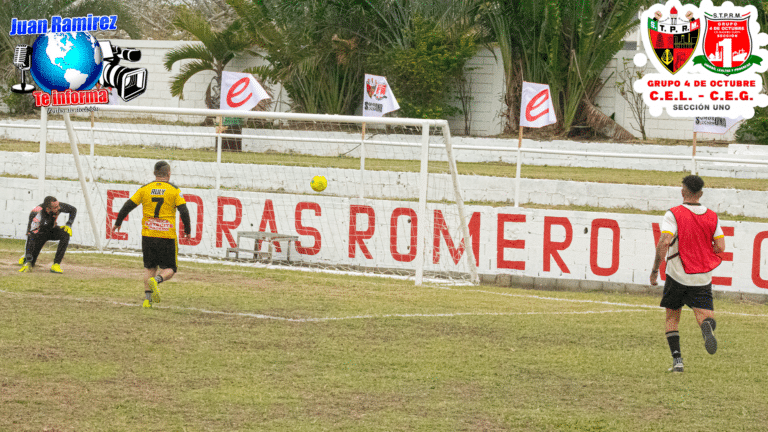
{"x":155,"y":290}
{"x":21,"y":260}
{"x":25,"y":269}
{"x":56,"y":269}
{"x":146,"y":304}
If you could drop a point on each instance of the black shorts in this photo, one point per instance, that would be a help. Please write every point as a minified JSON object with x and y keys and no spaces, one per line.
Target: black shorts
{"x":676,"y":295}
{"x":159,"y":252}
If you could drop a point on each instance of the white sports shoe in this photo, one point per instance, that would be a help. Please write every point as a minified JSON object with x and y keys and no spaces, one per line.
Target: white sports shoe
{"x":677,"y":365}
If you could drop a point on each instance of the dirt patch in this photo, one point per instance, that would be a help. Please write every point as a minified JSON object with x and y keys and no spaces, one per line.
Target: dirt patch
{"x":83,"y":267}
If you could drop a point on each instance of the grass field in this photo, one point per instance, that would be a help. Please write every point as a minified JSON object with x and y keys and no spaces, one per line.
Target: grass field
{"x":241,"y":348}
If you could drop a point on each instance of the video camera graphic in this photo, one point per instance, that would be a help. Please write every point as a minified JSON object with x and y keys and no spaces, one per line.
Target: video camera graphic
{"x":130,"y":83}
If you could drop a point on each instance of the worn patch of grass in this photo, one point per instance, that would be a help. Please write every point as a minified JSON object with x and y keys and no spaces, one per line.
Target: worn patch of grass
{"x":79,"y":354}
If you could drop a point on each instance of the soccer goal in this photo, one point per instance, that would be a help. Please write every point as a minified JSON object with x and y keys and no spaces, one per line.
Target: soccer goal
{"x":392,"y":204}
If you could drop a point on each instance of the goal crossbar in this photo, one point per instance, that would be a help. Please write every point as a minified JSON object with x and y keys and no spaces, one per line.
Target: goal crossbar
{"x":423,"y":179}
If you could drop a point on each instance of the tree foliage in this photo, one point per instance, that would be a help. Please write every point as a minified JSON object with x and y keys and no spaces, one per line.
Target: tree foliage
{"x":319,"y":50}
{"x":320,"y":69}
{"x":564,"y":43}
{"x":756,"y":129}
{"x":627,"y":75}
{"x":218,"y":48}
{"x":426,"y":70}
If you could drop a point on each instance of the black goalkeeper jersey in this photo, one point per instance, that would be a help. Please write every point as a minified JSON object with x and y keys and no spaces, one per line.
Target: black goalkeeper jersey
{"x":40,"y":221}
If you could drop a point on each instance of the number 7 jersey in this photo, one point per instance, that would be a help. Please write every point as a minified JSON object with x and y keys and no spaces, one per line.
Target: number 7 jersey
{"x":159,"y":201}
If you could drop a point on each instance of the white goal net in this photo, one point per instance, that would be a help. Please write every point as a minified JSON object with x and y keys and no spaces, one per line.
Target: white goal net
{"x":391,"y":204}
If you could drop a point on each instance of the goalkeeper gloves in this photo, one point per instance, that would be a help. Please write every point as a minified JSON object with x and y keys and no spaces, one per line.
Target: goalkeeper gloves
{"x":67,"y":229}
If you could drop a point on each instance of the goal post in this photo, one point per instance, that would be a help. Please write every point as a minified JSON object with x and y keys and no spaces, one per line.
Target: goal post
{"x":393,"y":203}
{"x":458,"y":196}
{"x":81,"y":177}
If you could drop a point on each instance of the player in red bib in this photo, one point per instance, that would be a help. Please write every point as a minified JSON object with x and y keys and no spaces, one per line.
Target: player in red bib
{"x":691,"y":239}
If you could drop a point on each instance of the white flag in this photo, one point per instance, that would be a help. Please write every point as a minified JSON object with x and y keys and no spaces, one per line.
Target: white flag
{"x":240,"y":91}
{"x":536,"y":109}
{"x":377,"y":97}
{"x":114,"y":98}
{"x":718,"y":125}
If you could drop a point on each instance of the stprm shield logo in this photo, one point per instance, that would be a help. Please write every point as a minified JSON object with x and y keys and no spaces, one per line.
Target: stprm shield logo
{"x":727,"y":44}
{"x":375,"y":89}
{"x":673,"y":38}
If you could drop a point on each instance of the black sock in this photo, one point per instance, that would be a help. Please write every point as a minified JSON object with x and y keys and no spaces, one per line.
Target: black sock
{"x":148,"y":295}
{"x":711,"y":322}
{"x":673,"y":339}
{"x":159,"y":279}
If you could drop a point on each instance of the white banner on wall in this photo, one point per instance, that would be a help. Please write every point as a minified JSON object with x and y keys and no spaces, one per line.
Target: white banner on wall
{"x":717,"y":125}
{"x":594,"y":246}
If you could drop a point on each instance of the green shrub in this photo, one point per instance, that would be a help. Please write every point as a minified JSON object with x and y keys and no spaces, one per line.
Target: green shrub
{"x":18,"y":104}
{"x":423,"y":74}
{"x":754,"y":130}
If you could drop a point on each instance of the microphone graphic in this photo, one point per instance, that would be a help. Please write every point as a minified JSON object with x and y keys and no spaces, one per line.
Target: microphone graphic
{"x":22,"y":57}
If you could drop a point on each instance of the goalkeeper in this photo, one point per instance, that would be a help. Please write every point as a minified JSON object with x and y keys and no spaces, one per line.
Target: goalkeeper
{"x":159,"y":200}
{"x":42,"y":228}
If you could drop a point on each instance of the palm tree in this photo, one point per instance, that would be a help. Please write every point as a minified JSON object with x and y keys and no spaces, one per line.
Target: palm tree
{"x":218,"y":48}
{"x":593,"y":32}
{"x":564,"y":43}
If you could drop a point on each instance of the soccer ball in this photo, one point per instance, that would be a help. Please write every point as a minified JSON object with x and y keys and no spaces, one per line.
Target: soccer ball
{"x":318,"y":183}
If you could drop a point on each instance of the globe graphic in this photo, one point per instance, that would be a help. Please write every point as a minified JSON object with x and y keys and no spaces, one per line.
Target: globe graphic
{"x":62,"y":61}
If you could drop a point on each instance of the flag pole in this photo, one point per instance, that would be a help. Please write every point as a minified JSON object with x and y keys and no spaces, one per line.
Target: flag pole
{"x":693,"y":156}
{"x":362,"y":164}
{"x":519,"y":160}
{"x":93,"y":149}
{"x":219,"y":130}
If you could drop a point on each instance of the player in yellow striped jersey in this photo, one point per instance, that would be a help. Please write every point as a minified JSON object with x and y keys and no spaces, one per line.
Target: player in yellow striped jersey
{"x":159,"y":200}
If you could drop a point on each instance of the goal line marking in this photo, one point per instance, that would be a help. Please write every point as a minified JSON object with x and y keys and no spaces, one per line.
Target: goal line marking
{"x":350,"y":317}
{"x":321,"y":319}
{"x":436,"y":286}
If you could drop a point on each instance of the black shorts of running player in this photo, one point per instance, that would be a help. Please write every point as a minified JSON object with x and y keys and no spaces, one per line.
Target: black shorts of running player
{"x":159,"y":252}
{"x":676,"y":295}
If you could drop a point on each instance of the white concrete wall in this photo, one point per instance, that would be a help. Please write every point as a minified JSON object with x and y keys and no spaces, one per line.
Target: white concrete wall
{"x":323,"y":143}
{"x":385,"y":184}
{"x":564,"y":245}
{"x":486,"y":87}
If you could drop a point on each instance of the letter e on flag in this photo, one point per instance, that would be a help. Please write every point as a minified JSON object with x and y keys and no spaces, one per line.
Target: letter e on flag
{"x":240,"y":91}
{"x":536,"y":109}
